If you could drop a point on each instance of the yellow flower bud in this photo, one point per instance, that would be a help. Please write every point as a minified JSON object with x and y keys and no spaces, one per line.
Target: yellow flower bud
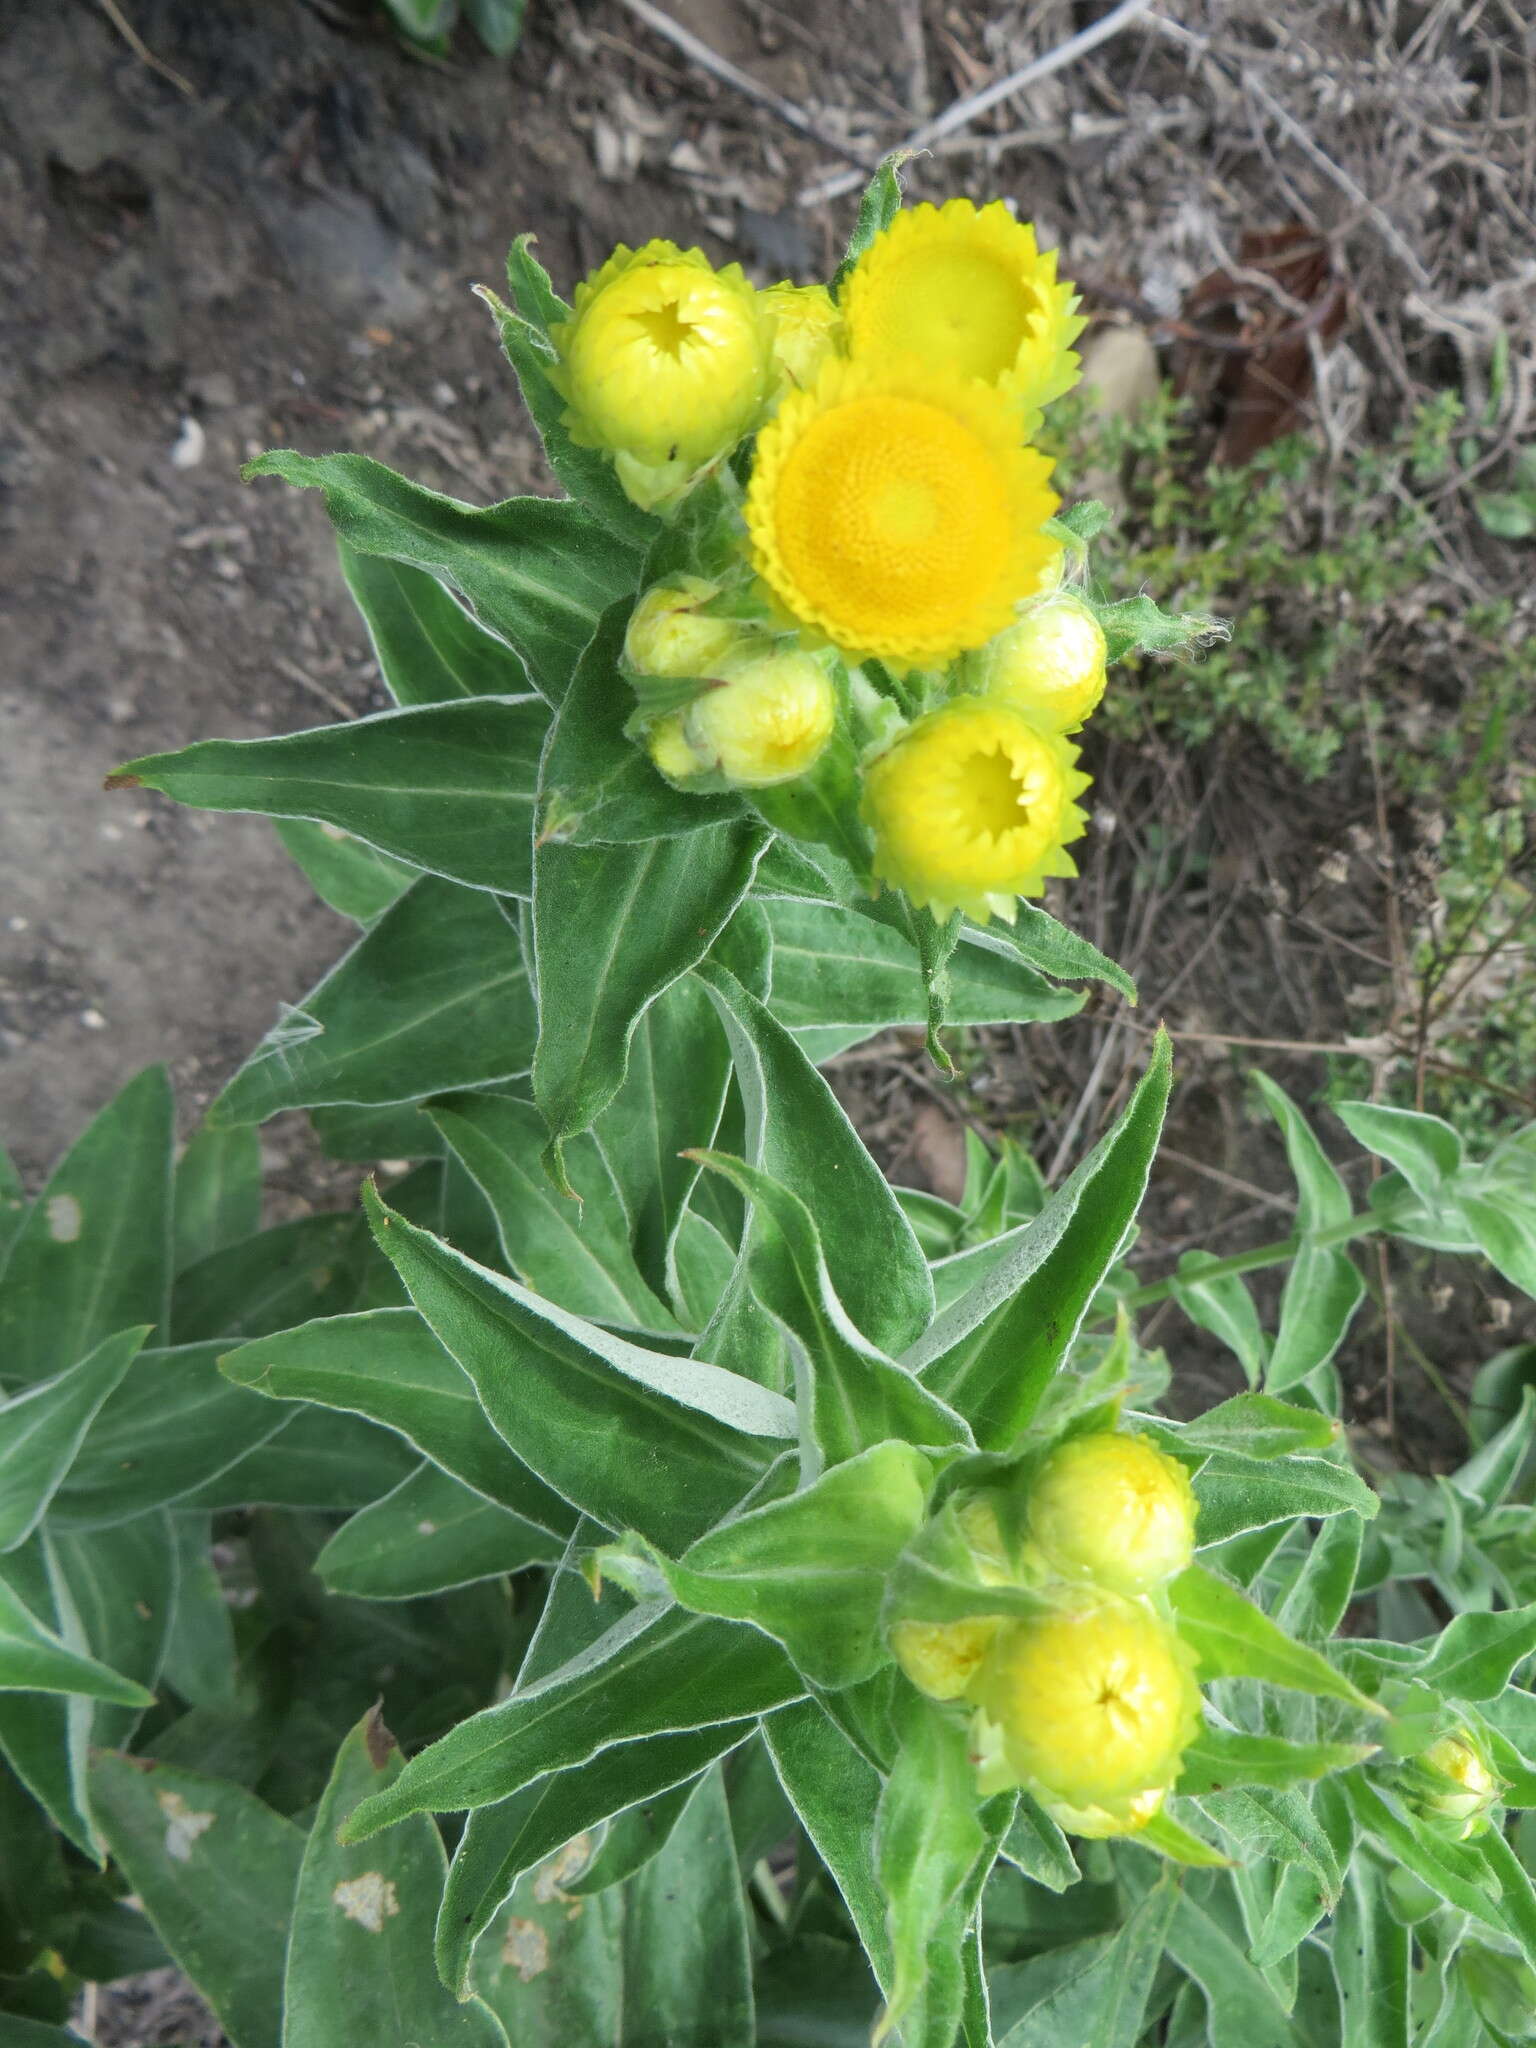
{"x":1086,"y":1706}
{"x":1114,"y":1509}
{"x":666,"y":359}
{"x":669,"y":635}
{"x":942,"y":1658}
{"x":1099,"y":1823}
{"x":768,"y":721}
{"x":807,"y":329}
{"x":1450,"y":1786}
{"x":667,"y":745}
{"x":1050,"y":665}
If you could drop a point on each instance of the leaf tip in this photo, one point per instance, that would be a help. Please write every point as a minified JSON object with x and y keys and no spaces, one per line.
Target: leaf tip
{"x":124,"y":778}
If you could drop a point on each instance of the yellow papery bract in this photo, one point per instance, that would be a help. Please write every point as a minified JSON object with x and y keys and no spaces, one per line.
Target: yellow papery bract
{"x":972,"y":807}
{"x":1051,"y":664}
{"x":1087,"y":1706}
{"x":667,"y":745}
{"x":1100,"y":1823}
{"x":666,"y":360}
{"x":894,"y":512}
{"x":768,"y":721}
{"x":1114,"y":1509}
{"x":966,"y":288}
{"x":807,"y":330}
{"x":669,"y":635}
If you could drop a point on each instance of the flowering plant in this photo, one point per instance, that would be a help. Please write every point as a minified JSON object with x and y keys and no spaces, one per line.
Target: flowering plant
{"x":836,"y":1514}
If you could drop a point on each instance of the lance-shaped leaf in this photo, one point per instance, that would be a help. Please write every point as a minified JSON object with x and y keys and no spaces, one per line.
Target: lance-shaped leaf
{"x":431,"y":1534}
{"x":428,"y":647}
{"x":1323,"y":1288}
{"x":1036,"y":938}
{"x":809,"y":1570}
{"x":34,"y":1659}
{"x":613,"y":927}
{"x":856,"y":1396}
{"x":936,"y":1578}
{"x":315,"y":1265}
{"x":1236,"y":1493}
{"x":217,"y":1192}
{"x":660,"y":1671}
{"x":797,"y":1133}
{"x":1243,"y":2007}
{"x":577,"y":1253}
{"x":434,"y":996}
{"x":992,"y":1353}
{"x":216,"y":1871}
{"x":836,"y":1795}
{"x":664,"y":1445}
{"x":13,"y":1205}
{"x":389,"y":1366}
{"x":1426,"y":1151}
{"x":120,"y":1589}
{"x":1226,"y":1308}
{"x":595,"y":783}
{"x":832,"y":966}
{"x":1505,"y":1228}
{"x":1037,"y":1846}
{"x":878,"y":207}
{"x":359,"y":1955}
{"x":131,"y":1463}
{"x":1092,"y":1992}
{"x":632,"y":1838}
{"x":537,"y":572}
{"x":1220,"y":1758}
{"x":314,"y":1459}
{"x":1234,"y":1639}
{"x":42,"y":1430}
{"x":1458,"y":1871}
{"x":1255,"y":1426}
{"x":352,"y":876}
{"x":445,"y":787}
{"x":1476,"y":1655}
{"x":93,"y":1255}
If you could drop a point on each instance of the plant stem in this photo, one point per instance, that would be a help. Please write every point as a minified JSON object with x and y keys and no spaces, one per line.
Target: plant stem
{"x":1262,"y":1255}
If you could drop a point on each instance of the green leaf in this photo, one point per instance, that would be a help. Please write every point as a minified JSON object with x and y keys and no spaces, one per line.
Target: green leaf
{"x":435,"y":996}
{"x":1135,"y":623}
{"x":1316,"y":1602}
{"x":832,"y":966}
{"x":348,"y":874}
{"x":1425,"y":1149}
{"x":1040,"y":942}
{"x":34,"y":1659}
{"x":1255,"y":1426}
{"x":1278,"y":1822}
{"x":1456,"y":1870}
{"x":13,"y":1205}
{"x":216,"y":1870}
{"x":809,"y":1570}
{"x":217,"y":1193}
{"x":498,"y":23}
{"x":662,"y":1959}
{"x":1506,"y":1234}
{"x":533,"y":291}
{"x":601,"y":959}
{"x":587,"y":473}
{"x":359,"y":1956}
{"x":1371,"y":1953}
{"x":1093,"y":1993}
{"x":636,"y":1438}
{"x":1476,"y":1655}
{"x":1225,"y":1307}
{"x":1243,"y":2012}
{"x":429,"y":648}
{"x":316,"y":1265}
{"x":389,"y":1366}
{"x":1236,"y":1493}
{"x":575,"y":1252}
{"x":993,"y":1352}
{"x":444,"y":787}
{"x":877,"y":209}
{"x":93,"y":1255}
{"x":631,"y":1839}
{"x":536,"y":572}
{"x":313,"y":1460}
{"x":657,"y":1672}
{"x":798,"y":1134}
{"x":836,"y":1795}
{"x":131,"y":1463}
{"x":121,"y":1590}
{"x":1035,"y":1845}
{"x":1234,"y":1639}
{"x":431,"y":1534}
{"x":41,"y":1432}
{"x":1323,"y":1288}
{"x":595,"y":783}
{"x":856,"y":1397}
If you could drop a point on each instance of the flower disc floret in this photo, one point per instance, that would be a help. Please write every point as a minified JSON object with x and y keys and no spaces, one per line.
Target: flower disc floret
{"x":1113,"y":1509}
{"x":1090,"y":1705}
{"x":968,"y":288}
{"x":895,"y":512}
{"x":972,"y":807}
{"x":768,"y":721}
{"x":807,"y":330}
{"x":670,"y":635}
{"x":666,"y":359}
{"x":1051,"y":664}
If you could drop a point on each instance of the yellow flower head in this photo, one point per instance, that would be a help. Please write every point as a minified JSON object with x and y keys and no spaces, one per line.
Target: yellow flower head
{"x":1114,"y":1509}
{"x":1088,"y":1706}
{"x":769,"y":720}
{"x":666,"y":359}
{"x":807,"y":329}
{"x":972,"y":807}
{"x":1451,"y":1787}
{"x":895,"y":513}
{"x":967,"y":288}
{"x":942,"y":1658}
{"x":669,"y":634}
{"x":1051,"y":664}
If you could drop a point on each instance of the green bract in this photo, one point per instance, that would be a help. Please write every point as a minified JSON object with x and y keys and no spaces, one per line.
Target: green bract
{"x":560,"y":1504}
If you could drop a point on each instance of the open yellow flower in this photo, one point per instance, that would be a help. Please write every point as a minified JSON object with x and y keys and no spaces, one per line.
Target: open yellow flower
{"x":1089,"y":1706}
{"x":966,"y":287}
{"x":895,"y":513}
{"x":972,"y":807}
{"x":806,"y":330}
{"x":1115,"y":1509}
{"x":666,"y":359}
{"x":1051,"y":664}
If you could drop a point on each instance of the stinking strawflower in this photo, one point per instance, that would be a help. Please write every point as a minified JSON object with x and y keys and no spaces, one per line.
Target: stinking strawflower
{"x":973,"y":807}
{"x":1051,"y":664}
{"x":669,"y":634}
{"x":768,"y":720}
{"x":1115,"y":1510}
{"x":807,"y":328}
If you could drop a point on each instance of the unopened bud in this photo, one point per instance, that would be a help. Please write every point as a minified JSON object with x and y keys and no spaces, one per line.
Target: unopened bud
{"x":1113,"y":1509}
{"x":667,"y":745}
{"x":1450,"y":1786}
{"x":670,"y":635}
{"x":769,"y":721}
{"x":1050,"y":665}
{"x":942,"y":1658}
